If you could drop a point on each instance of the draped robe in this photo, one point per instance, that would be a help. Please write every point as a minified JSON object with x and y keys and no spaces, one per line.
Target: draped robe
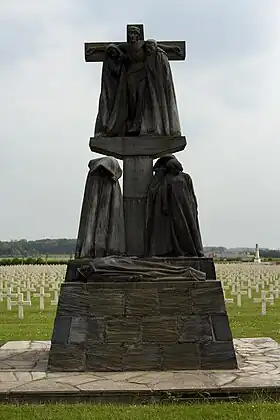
{"x":137,"y":93}
{"x":101,"y":229}
{"x":113,"y":107}
{"x":114,"y":268}
{"x":172,"y":217}
{"x":160,"y":114}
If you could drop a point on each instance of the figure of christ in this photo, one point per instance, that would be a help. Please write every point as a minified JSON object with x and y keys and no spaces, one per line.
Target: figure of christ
{"x":137,"y":92}
{"x":135,"y":54}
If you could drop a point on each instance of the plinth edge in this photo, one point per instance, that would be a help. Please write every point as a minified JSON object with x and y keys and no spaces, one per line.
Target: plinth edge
{"x":152,"y":146}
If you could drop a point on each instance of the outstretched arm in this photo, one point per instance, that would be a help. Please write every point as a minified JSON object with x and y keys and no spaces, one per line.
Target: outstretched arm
{"x":171,"y":48}
{"x":97,"y":52}
{"x":92,"y":51}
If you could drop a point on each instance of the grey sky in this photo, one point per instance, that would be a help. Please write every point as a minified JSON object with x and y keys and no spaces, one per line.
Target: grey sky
{"x":228,"y":95}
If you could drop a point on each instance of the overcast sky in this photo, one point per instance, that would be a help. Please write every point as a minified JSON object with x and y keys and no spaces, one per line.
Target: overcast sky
{"x":228,"y":93}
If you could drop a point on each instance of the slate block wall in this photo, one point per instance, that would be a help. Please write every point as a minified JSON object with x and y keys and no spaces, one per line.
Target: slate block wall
{"x":124,"y":326}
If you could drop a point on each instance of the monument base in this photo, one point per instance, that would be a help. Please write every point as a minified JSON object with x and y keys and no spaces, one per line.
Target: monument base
{"x":141,"y":325}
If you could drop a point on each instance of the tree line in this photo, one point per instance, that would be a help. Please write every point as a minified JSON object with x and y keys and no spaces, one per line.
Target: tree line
{"x":66,"y":247}
{"x":45,"y":247}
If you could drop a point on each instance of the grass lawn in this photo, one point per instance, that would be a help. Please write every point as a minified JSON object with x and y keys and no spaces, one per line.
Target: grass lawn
{"x":218,"y":411}
{"x":245,"y":322}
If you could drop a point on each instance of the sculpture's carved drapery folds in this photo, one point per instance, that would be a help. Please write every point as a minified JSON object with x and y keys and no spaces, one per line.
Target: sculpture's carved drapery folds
{"x":172,"y":216}
{"x":101,"y":230}
{"x":137,"y":91}
{"x":116,"y":268}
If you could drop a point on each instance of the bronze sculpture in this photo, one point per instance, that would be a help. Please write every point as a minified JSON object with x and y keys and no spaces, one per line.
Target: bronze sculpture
{"x":164,"y":310}
{"x":137,"y":91}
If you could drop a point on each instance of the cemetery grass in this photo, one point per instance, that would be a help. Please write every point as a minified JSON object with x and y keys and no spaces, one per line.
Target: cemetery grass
{"x":246,"y":321}
{"x":226,"y":411}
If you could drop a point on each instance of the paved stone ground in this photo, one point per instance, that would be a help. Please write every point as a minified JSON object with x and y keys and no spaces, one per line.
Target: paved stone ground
{"x":23,"y":376}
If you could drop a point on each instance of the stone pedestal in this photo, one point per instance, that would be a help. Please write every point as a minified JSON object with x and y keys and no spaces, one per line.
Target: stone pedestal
{"x":141,"y":325}
{"x":137,"y":154}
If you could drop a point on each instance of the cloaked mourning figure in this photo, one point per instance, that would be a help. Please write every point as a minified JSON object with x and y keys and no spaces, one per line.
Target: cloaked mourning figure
{"x":172,"y":216}
{"x":160,"y":112}
{"x":101,"y":230}
{"x":113,"y":110}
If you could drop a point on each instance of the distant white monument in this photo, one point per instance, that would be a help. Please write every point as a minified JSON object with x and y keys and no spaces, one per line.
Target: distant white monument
{"x":257,"y":255}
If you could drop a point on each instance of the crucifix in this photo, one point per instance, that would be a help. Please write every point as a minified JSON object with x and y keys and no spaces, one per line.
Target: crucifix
{"x":95,"y":51}
{"x":139,"y":121}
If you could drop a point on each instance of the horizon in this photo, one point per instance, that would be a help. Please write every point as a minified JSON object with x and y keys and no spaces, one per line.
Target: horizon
{"x":74,"y":239}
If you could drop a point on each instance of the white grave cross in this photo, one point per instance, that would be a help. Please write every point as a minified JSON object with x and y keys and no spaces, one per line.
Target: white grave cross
{"x":263,"y":300}
{"x":28,"y":288}
{"x":55,"y":289}
{"x":20,"y":303}
{"x":249,"y":289}
{"x":10,"y":295}
{"x":42,"y":296}
{"x":239,"y":294}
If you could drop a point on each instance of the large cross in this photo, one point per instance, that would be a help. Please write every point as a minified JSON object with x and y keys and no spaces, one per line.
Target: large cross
{"x":137,"y":153}
{"x":95,"y":51}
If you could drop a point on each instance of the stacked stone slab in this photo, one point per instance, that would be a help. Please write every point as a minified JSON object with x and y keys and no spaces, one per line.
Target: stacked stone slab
{"x":126,"y":326}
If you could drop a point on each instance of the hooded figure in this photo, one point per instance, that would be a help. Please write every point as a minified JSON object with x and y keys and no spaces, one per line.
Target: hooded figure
{"x":112,"y":112}
{"x":160,"y":114}
{"x":172,"y":217}
{"x":101,"y":230}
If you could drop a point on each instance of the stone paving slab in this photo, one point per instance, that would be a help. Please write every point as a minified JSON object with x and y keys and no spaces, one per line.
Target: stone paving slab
{"x":24,"y":376}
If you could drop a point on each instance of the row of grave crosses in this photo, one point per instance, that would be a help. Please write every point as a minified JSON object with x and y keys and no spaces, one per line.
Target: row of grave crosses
{"x":238,"y":292}
{"x":9,"y":295}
